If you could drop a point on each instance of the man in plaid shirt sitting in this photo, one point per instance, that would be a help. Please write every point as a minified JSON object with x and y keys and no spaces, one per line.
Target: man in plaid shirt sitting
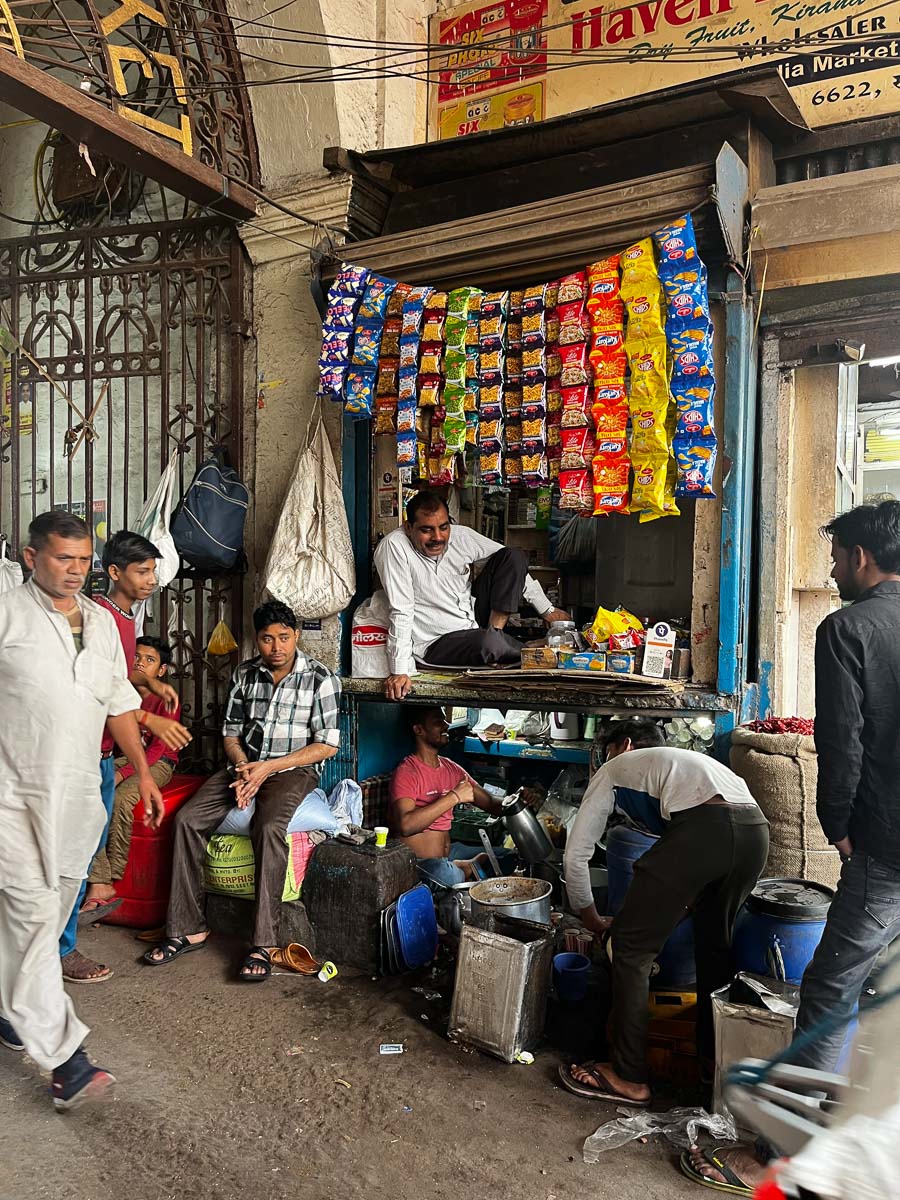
{"x":281,"y":723}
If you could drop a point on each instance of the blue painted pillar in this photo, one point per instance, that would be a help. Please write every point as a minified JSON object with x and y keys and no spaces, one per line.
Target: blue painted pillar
{"x":356,"y":484}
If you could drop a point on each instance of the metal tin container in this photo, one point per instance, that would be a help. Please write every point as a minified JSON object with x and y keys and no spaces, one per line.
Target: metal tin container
{"x":512,"y":896}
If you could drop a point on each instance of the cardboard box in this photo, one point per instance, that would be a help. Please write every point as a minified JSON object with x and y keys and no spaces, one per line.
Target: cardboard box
{"x":622,"y":662}
{"x":538,"y":658}
{"x":582,"y":660}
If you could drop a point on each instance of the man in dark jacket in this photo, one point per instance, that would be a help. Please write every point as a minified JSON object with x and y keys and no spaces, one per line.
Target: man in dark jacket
{"x":858,"y":745}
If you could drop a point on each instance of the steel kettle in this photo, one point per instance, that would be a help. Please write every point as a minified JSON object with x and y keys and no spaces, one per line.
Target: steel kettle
{"x":525,"y":830}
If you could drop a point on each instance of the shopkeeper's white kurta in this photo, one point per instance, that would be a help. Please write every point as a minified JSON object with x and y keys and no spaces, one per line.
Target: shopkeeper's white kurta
{"x":53,"y":706}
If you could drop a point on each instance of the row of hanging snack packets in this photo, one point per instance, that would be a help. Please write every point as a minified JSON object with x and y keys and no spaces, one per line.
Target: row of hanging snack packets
{"x":649,"y":398}
{"x":412,"y":320}
{"x":462,"y":302}
{"x":541,"y":335}
{"x":387,"y":388}
{"x":492,"y":334}
{"x":362,"y":374}
{"x":470,"y":399}
{"x":690,"y":338}
{"x":344,"y":298}
{"x":611,"y":465}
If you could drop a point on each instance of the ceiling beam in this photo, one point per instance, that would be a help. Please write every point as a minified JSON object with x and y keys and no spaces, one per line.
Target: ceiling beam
{"x":82,"y":119}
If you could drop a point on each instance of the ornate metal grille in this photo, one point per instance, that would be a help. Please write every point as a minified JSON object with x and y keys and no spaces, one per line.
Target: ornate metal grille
{"x":127,"y":344}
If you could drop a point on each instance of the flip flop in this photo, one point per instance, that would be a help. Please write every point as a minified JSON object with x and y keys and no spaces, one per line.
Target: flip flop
{"x":90,"y":916}
{"x":296,"y":958}
{"x":603,"y":1091}
{"x":734,"y":1185}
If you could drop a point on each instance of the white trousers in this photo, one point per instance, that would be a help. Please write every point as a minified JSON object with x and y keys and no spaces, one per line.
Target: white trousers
{"x":32,"y":917}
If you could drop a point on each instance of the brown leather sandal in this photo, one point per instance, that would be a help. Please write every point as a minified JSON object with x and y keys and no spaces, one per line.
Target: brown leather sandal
{"x":296,"y":958}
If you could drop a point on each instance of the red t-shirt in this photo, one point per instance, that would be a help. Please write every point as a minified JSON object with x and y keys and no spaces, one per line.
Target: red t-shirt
{"x":125,"y":625}
{"x":413,"y":778}
{"x":154,"y":747}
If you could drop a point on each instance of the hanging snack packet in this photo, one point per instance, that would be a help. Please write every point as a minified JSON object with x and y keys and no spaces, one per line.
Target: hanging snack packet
{"x":388,"y":377}
{"x":692,"y":362}
{"x":513,"y":402}
{"x":611,"y":469}
{"x":687,"y":307}
{"x":534,"y":428}
{"x":696,"y":467}
{"x":535,"y":468}
{"x":576,"y":408}
{"x":471,"y":428}
{"x":646,"y":315}
{"x":336,"y":347}
{"x":406,"y":449}
{"x":454,"y":399}
{"x":390,"y":338}
{"x":554,"y":399}
{"x":534,"y":329}
{"x":413,"y":317}
{"x":491,"y":467}
{"x":341,"y":312}
{"x":385,"y":414}
{"x":537,"y":298}
{"x":349,"y":281}
{"x":495,"y":304}
{"x":359,"y":392}
{"x":638,"y":265}
{"x":648,"y":429}
{"x":455,"y":330}
{"x":455,"y":433}
{"x":406,"y":418}
{"x":649,"y":371}
{"x":512,"y":468}
{"x":575,"y":365}
{"x":695,"y":409}
{"x":429,"y":391}
{"x":376,"y":296}
{"x":578,"y":448}
{"x":455,"y":369}
{"x":677,"y":245}
{"x":513,"y":437}
{"x":554,"y":436}
{"x":572,"y":287}
{"x":397,"y":299}
{"x":576,"y":490}
{"x":649,"y":491}
{"x":366,"y":343}
{"x":459,"y":301}
{"x":610,"y":420}
{"x":433,"y":328}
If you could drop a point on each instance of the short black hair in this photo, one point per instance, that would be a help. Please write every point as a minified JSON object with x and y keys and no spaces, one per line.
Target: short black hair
{"x":163,"y":649}
{"x":642,"y":732}
{"x":875,"y":527}
{"x":415,"y":714}
{"x":59,"y":522}
{"x":425,"y":503}
{"x":125,"y":548}
{"x":273,"y":612}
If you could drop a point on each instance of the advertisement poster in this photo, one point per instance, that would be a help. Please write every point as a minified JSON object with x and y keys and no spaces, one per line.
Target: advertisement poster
{"x":521,"y":61}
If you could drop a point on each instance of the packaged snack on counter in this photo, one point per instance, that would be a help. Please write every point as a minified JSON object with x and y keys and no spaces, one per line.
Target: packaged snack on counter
{"x":376,"y":296}
{"x":576,"y":407}
{"x":629,"y":640}
{"x":695,"y":409}
{"x":696,"y":466}
{"x":513,"y":402}
{"x":575,"y":370}
{"x":406,"y":449}
{"x":648,"y":493}
{"x":677,"y":244}
{"x":388,"y":377}
{"x":576,"y":490}
{"x":572,"y":287}
{"x":578,"y":448}
{"x":359,"y":392}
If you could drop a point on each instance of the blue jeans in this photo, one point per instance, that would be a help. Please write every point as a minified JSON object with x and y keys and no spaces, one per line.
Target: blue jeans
{"x":440,"y":872}
{"x":107,"y":795}
{"x":863,"y":920}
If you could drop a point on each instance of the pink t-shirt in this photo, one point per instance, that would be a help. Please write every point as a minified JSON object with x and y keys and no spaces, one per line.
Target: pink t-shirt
{"x":413,"y":778}
{"x":125,"y":625}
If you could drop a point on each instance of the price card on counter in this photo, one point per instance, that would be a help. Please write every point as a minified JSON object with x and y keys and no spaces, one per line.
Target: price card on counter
{"x":659,"y":651}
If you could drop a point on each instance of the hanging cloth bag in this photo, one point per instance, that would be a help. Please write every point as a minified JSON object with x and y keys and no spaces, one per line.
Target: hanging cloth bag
{"x":10,"y":571}
{"x":208,"y":526}
{"x":155,"y":519}
{"x":310,"y":563}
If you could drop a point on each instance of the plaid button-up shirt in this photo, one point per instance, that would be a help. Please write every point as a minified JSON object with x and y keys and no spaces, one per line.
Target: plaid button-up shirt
{"x":272,"y":721}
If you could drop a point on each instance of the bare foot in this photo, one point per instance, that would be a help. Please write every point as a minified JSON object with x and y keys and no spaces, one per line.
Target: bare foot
{"x":740,"y":1160}
{"x":632,"y":1091}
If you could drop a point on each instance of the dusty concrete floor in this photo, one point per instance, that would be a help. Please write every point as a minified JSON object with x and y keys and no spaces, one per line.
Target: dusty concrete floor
{"x":232,"y":1092}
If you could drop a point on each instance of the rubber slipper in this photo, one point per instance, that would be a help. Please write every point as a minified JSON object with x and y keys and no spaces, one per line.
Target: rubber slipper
{"x":603,"y":1091}
{"x":90,"y":916}
{"x":171,"y":949}
{"x":734,"y":1185}
{"x":296,"y":958}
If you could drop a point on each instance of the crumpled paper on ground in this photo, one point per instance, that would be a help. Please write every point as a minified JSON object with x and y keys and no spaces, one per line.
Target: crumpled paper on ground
{"x":679,"y":1125}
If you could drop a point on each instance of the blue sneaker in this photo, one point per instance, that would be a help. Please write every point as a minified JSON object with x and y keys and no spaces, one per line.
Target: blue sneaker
{"x":78,"y":1081}
{"x":8,"y":1036}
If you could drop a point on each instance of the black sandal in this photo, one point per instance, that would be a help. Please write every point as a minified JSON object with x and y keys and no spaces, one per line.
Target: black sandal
{"x":171,"y":949}
{"x":250,"y":972}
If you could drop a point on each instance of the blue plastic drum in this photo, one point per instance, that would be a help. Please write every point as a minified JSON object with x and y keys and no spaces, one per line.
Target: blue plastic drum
{"x":780,"y":926}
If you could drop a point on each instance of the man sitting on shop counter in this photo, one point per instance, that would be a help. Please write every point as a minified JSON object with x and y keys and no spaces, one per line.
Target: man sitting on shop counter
{"x":425,"y":790}
{"x":712,"y":847}
{"x":438,"y":615}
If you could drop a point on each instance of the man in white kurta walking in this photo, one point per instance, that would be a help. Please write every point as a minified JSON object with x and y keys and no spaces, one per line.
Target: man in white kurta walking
{"x":62,"y":676}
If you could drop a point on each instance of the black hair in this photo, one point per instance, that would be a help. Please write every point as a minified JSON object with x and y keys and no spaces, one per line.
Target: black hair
{"x":59,"y":522}
{"x":425,"y":503}
{"x":875,"y":527}
{"x":163,"y":649}
{"x":273,"y":612}
{"x":125,"y":548}
{"x":642,"y":732}
{"x":415,"y":714}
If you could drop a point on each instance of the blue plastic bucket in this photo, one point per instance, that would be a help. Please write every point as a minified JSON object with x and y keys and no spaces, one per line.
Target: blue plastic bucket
{"x":624,"y":846}
{"x":779,"y":928}
{"x":570,"y":976}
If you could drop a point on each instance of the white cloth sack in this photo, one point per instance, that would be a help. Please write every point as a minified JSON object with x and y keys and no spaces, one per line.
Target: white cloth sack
{"x":369,"y":639}
{"x":10,"y":571}
{"x":310,"y":564}
{"x":155,"y":519}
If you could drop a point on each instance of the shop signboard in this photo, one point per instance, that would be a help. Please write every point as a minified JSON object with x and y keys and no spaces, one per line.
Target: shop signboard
{"x":519,"y":61}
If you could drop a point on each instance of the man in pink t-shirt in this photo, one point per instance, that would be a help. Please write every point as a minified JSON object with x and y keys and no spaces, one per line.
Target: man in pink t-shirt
{"x":425,"y":789}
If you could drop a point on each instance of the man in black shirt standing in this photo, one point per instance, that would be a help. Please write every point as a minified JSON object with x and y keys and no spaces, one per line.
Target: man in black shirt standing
{"x":858,"y":746}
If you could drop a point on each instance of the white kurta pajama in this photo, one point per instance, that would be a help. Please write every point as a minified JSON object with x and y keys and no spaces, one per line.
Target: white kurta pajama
{"x":53,"y":705}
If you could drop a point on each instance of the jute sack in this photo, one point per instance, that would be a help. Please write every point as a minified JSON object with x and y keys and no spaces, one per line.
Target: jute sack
{"x":781,"y":771}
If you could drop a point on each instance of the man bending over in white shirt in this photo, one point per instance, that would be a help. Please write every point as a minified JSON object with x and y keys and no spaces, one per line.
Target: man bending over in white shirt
{"x":438,"y":615}
{"x":713,"y":844}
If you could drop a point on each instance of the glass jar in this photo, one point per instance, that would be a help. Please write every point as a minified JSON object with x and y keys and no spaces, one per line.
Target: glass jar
{"x":562,"y":635}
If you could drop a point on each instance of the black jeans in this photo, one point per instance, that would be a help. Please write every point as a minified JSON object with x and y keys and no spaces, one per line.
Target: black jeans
{"x":863,"y":920}
{"x":706,"y":864}
{"x":498,"y":588}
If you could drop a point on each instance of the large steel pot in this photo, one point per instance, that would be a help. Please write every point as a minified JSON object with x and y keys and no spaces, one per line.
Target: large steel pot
{"x":513,"y":896}
{"x":453,"y":904}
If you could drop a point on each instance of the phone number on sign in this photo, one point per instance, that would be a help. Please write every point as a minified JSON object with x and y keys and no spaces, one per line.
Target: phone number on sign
{"x":850,"y":91}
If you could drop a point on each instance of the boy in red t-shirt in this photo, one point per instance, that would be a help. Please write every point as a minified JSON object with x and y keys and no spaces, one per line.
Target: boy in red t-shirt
{"x":151,"y":659}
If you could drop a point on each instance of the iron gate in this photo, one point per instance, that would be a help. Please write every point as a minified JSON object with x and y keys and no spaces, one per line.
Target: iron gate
{"x":124,"y":345}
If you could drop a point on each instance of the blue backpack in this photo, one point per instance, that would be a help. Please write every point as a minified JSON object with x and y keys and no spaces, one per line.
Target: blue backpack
{"x":208,"y":524}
